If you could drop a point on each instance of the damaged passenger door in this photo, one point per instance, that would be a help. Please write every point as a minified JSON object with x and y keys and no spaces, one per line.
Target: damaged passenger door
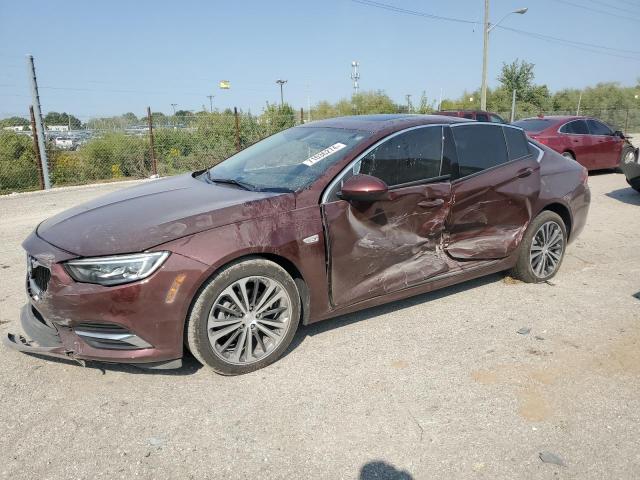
{"x":393,"y":241}
{"x":498,"y":182}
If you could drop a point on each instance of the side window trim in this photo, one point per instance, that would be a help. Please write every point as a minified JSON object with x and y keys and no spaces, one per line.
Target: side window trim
{"x":338,"y":178}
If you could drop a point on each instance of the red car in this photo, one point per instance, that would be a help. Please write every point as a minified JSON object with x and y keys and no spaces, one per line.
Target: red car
{"x":477,"y":115}
{"x":320,"y":220}
{"x":587,"y":140}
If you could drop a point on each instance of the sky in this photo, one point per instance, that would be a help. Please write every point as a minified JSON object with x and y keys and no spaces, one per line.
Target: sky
{"x":106,"y":58}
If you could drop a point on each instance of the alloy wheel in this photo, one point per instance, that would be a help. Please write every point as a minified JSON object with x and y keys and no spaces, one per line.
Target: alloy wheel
{"x":547,"y":248}
{"x":248,"y":320}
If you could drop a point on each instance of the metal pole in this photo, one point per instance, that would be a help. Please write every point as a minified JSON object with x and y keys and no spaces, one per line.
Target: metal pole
{"x":39,"y":125}
{"x":579,"y":102}
{"x":513,"y":106}
{"x":281,"y":95}
{"x":301,"y":116}
{"x":235,"y":113}
{"x":154,"y":166}
{"x":34,"y":134}
{"x":626,"y":122}
{"x":485,"y":59}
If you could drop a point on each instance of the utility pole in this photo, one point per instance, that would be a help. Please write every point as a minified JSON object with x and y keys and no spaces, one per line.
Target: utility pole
{"x":408,"y":97}
{"x":281,"y":83}
{"x":579,"y":103}
{"x":36,"y":149}
{"x":513,"y":106}
{"x":210,"y":97}
{"x":440,"y":100}
{"x":355,"y":76}
{"x":39,"y":126}
{"x":485,"y":55}
{"x":174,"y":105}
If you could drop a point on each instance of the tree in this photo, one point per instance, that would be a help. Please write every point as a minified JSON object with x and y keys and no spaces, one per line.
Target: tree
{"x":55,"y":118}
{"x":517,"y":75}
{"x":425,"y":106}
{"x":14,"y":122}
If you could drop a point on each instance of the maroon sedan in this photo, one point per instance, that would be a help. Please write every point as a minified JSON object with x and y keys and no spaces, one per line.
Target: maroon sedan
{"x":313,"y":222}
{"x":477,"y":115}
{"x":587,"y":140}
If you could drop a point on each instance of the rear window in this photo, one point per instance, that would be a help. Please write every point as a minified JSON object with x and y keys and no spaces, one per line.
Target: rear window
{"x":479,"y":147}
{"x":517,"y":144}
{"x":577,"y":127}
{"x":533,"y":124}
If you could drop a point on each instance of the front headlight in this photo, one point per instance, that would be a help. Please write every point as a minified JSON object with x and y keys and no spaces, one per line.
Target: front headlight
{"x":117,"y":269}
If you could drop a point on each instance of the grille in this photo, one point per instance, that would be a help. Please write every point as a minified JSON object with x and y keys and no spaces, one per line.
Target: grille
{"x":38,"y":275}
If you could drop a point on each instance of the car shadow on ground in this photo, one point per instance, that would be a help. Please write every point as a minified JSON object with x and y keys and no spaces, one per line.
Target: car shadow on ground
{"x":381,"y":470}
{"x":625,"y":195}
{"x":344,"y":320}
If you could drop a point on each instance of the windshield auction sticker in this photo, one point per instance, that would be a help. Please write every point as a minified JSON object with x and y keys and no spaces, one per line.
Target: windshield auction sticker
{"x":323,"y":154}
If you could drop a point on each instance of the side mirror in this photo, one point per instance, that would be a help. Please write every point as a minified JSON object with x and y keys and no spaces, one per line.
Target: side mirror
{"x":618,"y":133}
{"x":364,"y":188}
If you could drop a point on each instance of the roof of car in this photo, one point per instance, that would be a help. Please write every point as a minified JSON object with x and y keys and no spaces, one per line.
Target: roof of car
{"x":558,"y":118}
{"x":376,"y":123}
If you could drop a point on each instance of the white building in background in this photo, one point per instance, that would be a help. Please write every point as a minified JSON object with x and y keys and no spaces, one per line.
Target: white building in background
{"x":17,"y":128}
{"x":58,"y":128}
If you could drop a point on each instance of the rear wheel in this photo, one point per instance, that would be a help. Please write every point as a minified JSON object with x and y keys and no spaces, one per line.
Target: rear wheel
{"x":244,"y":318}
{"x":542,"y":249}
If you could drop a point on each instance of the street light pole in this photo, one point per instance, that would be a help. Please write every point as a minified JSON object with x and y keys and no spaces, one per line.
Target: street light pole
{"x":485,"y":52}
{"x":281,"y":83}
{"x":210,"y":97}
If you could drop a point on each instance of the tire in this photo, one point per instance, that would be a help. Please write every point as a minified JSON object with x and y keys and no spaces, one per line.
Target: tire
{"x":625,"y":151}
{"x":568,"y":155}
{"x":525,"y":266}
{"x":215,"y":310}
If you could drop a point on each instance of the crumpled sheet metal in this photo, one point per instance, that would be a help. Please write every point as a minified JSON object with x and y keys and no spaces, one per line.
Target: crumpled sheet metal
{"x":385,"y":246}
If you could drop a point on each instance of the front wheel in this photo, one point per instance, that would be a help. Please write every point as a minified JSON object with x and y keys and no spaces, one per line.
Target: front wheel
{"x":628,"y":156}
{"x":244,"y":317}
{"x":542,"y":249}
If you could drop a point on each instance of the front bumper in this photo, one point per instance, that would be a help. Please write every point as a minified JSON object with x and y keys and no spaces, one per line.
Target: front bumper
{"x":139,"y":323}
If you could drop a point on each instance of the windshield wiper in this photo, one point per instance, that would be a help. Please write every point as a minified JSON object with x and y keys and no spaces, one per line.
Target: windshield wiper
{"x":231,"y":181}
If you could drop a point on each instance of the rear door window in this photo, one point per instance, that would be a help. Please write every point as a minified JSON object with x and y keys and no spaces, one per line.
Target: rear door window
{"x":576,"y":127}
{"x":598,"y":128}
{"x":408,"y":157}
{"x":517,"y":144}
{"x":479,"y":147}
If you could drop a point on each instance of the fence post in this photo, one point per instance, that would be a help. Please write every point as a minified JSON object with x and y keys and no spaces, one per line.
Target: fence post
{"x":154,"y":166}
{"x":626,"y":122}
{"x":34,"y":134}
{"x":39,"y":124}
{"x":237,"y":119}
{"x":301,"y":116}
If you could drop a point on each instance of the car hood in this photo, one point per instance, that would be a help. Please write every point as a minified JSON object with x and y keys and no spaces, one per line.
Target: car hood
{"x":141,"y":217}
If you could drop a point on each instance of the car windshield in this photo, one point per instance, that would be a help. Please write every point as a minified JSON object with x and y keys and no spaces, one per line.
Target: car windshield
{"x":533,"y":124}
{"x":286,"y":161}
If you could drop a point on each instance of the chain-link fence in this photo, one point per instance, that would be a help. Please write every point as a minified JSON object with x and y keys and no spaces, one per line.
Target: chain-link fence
{"x":108,"y":150}
{"x":118,"y":149}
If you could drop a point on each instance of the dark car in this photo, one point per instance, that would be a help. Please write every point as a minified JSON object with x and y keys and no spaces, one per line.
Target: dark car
{"x":477,"y":115}
{"x":316,"y":221}
{"x":587,"y":140}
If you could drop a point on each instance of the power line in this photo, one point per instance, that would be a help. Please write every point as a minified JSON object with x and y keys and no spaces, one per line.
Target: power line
{"x":610,"y":5}
{"x":604,"y":12}
{"x":567,"y":41}
{"x":588,"y":47}
{"x":392,"y":8}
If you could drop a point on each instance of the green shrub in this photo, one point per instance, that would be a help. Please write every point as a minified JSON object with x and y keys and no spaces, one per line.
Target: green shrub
{"x":18,"y":167}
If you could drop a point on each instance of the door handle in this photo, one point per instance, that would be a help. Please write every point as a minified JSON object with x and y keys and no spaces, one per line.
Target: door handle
{"x":525,"y":172}
{"x":438,"y":202}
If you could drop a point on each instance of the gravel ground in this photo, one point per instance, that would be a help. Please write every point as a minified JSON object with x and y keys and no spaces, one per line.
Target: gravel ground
{"x":437,"y":386}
